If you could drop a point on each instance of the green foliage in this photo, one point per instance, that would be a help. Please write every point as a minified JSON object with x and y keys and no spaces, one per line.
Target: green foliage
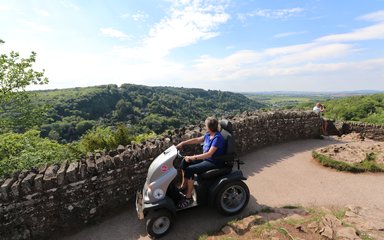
{"x":368,"y":165}
{"x":27,"y":150}
{"x":142,"y":137}
{"x":368,"y":109}
{"x":363,"y":108}
{"x":99,"y":138}
{"x":17,"y":112}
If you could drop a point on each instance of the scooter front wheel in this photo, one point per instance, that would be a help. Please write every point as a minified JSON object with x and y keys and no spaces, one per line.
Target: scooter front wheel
{"x":159,"y":223}
{"x":232,"y":198}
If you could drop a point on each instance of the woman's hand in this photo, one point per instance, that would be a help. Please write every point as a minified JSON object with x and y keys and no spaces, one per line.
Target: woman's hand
{"x":180,"y":145}
{"x":189,"y":158}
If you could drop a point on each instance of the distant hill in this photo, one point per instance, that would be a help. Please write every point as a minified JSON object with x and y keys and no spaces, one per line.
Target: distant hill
{"x":143,"y":108}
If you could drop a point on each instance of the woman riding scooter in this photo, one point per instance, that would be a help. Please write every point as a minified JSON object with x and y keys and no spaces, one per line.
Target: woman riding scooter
{"x":213,"y":147}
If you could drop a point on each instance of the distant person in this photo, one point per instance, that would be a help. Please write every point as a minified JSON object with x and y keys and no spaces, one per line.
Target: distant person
{"x":319,"y":109}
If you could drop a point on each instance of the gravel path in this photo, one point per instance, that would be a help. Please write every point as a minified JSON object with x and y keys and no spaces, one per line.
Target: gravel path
{"x":277,"y":175}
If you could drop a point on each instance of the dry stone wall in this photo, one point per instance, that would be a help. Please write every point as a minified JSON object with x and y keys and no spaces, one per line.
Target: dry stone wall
{"x":59,"y":196}
{"x":371,"y":131}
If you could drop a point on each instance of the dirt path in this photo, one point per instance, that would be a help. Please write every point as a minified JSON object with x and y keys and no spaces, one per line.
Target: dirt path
{"x":277,"y":175}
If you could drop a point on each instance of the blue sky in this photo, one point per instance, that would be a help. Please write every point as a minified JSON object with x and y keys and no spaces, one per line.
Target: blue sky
{"x":298,"y":45}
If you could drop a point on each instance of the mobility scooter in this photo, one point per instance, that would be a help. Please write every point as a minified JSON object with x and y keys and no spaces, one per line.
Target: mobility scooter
{"x":223,"y":188}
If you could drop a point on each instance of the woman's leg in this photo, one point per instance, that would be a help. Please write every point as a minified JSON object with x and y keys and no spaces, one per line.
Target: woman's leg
{"x":184,"y":164}
{"x":191,"y":170}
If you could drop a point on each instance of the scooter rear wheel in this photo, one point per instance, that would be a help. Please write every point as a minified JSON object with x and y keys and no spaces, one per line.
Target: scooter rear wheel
{"x":159,"y":223}
{"x":232,"y":198}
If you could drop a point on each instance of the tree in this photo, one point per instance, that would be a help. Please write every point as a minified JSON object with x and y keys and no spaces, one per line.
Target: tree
{"x":17,"y":110}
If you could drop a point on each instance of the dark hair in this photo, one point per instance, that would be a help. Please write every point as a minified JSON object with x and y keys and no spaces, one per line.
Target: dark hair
{"x":212,"y":124}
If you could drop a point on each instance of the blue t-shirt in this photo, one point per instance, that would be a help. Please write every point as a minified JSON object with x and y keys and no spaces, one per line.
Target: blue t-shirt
{"x":216,"y":141}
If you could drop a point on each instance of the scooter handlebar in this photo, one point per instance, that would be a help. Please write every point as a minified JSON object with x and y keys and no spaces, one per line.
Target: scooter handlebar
{"x":179,"y":154}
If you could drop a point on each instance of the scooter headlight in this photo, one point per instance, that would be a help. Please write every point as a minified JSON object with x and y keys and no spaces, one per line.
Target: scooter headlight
{"x":157,"y":193}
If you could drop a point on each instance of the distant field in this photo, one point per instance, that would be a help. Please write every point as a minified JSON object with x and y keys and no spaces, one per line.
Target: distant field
{"x":286,"y":101}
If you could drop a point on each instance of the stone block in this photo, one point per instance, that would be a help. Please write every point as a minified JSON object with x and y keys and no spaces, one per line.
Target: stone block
{"x":15,"y":188}
{"x":38,"y":182}
{"x":117,"y":161}
{"x":83,"y":172}
{"x":108,"y":164}
{"x":72,"y":171}
{"x":61,"y":173}
{"x":50,"y":176}
{"x":6,"y":187}
{"x":91,"y":166}
{"x":120,"y":149}
{"x":28,"y":183}
{"x":100,"y":164}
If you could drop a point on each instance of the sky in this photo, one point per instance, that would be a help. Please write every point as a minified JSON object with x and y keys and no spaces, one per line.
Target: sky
{"x":241,"y":46}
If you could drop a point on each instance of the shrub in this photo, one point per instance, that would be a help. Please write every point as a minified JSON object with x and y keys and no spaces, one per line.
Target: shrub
{"x":27,"y":150}
{"x":98,"y":138}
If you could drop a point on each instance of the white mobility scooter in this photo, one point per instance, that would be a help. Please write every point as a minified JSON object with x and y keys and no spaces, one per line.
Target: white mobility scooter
{"x":223,"y":188}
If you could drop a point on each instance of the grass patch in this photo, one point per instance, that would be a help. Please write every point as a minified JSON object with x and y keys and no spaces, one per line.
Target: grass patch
{"x":285,"y":233}
{"x":203,"y":237}
{"x":368,"y":165}
{"x":266,"y":227}
{"x":293,"y":222}
{"x":339,"y":213}
{"x":364,"y":236}
{"x":266,"y":210}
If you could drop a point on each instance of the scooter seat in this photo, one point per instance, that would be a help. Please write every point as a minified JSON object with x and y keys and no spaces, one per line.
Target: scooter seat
{"x":214,"y":173}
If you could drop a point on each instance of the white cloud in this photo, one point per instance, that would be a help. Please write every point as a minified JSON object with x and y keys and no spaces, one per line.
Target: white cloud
{"x":315,"y":53}
{"x":114,"y":33}
{"x":188,"y":22}
{"x":374,"y":17}
{"x":42,"y":12}
{"x":31,"y":25}
{"x":291,"y":60}
{"x":138,"y":16}
{"x":4,"y":8}
{"x":272,"y":13}
{"x":70,"y":4}
{"x":373,"y":32}
{"x":288,"y":34}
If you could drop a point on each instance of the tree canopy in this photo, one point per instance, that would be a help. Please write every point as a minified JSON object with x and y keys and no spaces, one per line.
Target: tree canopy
{"x":17,"y":112}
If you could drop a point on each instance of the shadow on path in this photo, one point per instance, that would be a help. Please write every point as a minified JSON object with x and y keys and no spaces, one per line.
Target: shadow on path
{"x":256,"y":161}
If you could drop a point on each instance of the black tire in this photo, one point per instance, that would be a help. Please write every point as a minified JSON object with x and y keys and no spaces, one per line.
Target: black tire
{"x":232,"y":198}
{"x":159,"y":223}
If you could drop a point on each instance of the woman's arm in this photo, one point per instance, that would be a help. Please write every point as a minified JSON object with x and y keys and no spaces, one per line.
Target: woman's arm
{"x":202,"y":156}
{"x":190,"y":141}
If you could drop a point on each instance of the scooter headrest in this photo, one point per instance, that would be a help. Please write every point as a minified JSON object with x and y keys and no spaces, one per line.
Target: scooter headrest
{"x":226,"y":125}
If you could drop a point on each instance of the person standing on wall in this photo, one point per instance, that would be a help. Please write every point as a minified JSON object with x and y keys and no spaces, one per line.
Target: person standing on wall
{"x":319,"y":109}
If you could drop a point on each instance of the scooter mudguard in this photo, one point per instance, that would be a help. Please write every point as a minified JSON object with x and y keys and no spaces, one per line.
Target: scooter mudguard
{"x":165,"y":203}
{"x":233,"y":176}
